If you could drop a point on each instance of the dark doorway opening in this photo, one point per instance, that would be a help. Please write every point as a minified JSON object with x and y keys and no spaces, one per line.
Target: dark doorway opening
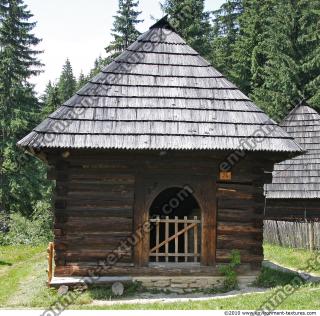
{"x":176,"y":227}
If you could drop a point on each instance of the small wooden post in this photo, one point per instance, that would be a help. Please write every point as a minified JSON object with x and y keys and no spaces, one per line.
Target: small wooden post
{"x":186,"y":247}
{"x":176,"y":240}
{"x":195,"y":240}
{"x":278,"y":233}
{"x":157,"y":237}
{"x":311,"y":236}
{"x":50,"y":250}
{"x":166,"y":232}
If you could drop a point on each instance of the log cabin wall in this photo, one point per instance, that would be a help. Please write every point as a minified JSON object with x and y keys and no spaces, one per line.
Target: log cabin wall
{"x":95,"y":200}
{"x":241,"y":211}
{"x":93,"y":211}
{"x":240,"y":222}
{"x":293,"y":209}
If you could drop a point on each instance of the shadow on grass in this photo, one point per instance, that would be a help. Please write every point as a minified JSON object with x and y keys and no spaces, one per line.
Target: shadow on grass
{"x":272,"y":278}
{"x":3,"y":263}
{"x":105,"y":292}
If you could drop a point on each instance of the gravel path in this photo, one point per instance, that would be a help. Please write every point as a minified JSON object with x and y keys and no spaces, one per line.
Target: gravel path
{"x":147,"y":298}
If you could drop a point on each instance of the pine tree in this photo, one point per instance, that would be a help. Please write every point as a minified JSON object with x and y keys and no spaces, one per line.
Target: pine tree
{"x":82,"y":80}
{"x":67,"y":82}
{"x":226,"y":31}
{"x":99,"y":63}
{"x":291,"y":72}
{"x":247,"y":53}
{"x":22,"y":179}
{"x":51,"y":99}
{"x":124,"y":27}
{"x":192,"y":22}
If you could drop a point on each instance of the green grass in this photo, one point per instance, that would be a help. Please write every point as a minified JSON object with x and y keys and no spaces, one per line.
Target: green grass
{"x":290,"y":257}
{"x":272,"y":278}
{"x":17,"y":265}
{"x":10,"y":255}
{"x":23,"y":285}
{"x":307,"y":297}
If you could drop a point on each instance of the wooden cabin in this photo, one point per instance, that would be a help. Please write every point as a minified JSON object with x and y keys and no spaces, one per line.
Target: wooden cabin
{"x":295,"y":190}
{"x":160,"y":164}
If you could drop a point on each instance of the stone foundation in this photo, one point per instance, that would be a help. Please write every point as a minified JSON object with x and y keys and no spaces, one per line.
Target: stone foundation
{"x":179,"y":284}
{"x":183,"y":284}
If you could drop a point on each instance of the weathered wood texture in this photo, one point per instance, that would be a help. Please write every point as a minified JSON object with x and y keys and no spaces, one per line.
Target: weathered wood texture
{"x":160,"y":94}
{"x":102,"y":199}
{"x":293,"y":209}
{"x":93,"y":211}
{"x":299,"y":178}
{"x":293,"y":234}
{"x":171,"y":172}
{"x":240,"y":220}
{"x":160,"y":270}
{"x":190,"y":226}
{"x":50,"y":252}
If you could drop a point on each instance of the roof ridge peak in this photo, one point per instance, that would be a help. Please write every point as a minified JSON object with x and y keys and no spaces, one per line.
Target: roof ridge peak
{"x":302,"y":103}
{"x":163,"y":23}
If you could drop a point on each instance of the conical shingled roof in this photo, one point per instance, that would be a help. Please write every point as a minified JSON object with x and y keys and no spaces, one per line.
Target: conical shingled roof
{"x":159,"y":94}
{"x":299,"y":178}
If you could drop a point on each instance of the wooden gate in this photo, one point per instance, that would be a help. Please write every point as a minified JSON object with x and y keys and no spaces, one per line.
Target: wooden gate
{"x":185,"y":229}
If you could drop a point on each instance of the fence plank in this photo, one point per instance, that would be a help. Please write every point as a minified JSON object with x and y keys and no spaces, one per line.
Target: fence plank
{"x":172,"y":220}
{"x":171,"y":226}
{"x":157,"y":236}
{"x":176,"y":240}
{"x":304,"y":235}
{"x":186,"y":246}
{"x":195,"y":241}
{"x":166,"y":237}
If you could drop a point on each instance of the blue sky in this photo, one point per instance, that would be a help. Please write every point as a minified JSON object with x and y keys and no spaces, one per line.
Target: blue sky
{"x":79,"y":30}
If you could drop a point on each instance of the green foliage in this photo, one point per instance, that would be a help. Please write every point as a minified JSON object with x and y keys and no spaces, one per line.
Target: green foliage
{"x":247,"y":55}
{"x":225,"y":33}
{"x":229,"y":271}
{"x":22,"y":177}
{"x":57,"y":93}
{"x":192,"y":22}
{"x":99,"y":64}
{"x":67,"y":82}
{"x":82,"y":80}
{"x":291,"y":71}
{"x":271,"y":50}
{"x":124,"y":29}
{"x":51,"y":99}
{"x":272,"y":278}
{"x":29,"y":231}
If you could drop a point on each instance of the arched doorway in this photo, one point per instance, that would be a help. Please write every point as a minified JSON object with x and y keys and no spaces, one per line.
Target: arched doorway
{"x":175,"y":236}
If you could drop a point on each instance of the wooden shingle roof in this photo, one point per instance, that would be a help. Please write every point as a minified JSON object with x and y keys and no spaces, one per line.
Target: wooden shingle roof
{"x":299,"y":178}
{"x":159,"y":94}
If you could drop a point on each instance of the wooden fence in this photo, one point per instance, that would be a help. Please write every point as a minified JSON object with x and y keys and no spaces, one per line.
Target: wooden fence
{"x":293,"y":234}
{"x":174,"y":230}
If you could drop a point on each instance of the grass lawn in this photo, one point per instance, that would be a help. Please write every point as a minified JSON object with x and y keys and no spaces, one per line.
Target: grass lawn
{"x":23,"y":277}
{"x":291,"y":258}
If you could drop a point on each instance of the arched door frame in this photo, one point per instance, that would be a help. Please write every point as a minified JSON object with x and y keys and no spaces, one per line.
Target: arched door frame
{"x":148,"y":187}
{"x":163,"y":188}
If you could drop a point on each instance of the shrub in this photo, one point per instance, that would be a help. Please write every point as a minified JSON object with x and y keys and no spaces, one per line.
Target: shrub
{"x":29,"y":231}
{"x":229,"y":271}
